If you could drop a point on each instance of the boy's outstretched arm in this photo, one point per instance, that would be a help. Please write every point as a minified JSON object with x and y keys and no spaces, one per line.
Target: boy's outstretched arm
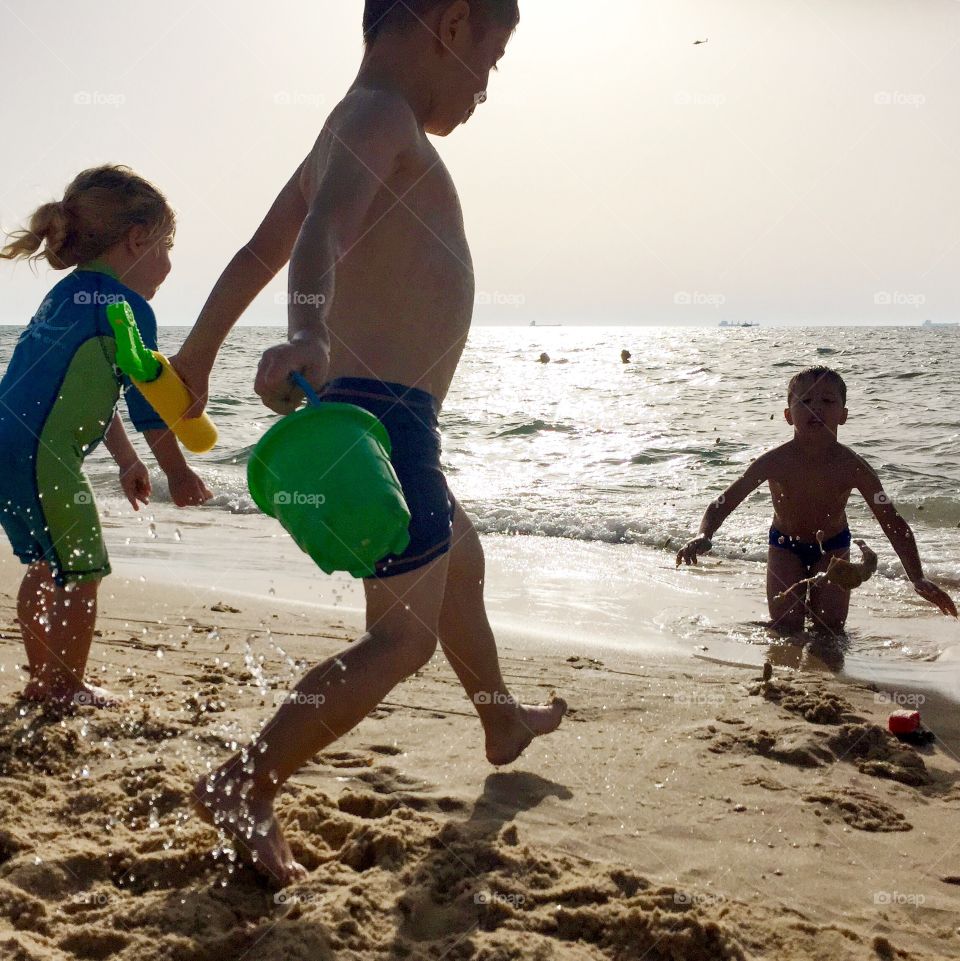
{"x":720,"y":509}
{"x":250,"y":270}
{"x":900,"y":536}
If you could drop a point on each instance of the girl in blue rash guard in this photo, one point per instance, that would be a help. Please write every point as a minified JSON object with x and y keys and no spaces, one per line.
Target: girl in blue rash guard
{"x":58,"y":401}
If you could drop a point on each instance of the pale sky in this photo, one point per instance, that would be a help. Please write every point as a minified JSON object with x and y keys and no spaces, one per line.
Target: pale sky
{"x":800,"y":167}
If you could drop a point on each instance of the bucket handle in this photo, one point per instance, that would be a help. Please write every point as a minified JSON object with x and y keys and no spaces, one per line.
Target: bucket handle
{"x":313,"y":398}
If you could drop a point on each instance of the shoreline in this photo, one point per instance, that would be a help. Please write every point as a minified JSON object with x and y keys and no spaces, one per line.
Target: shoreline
{"x":553,"y":592}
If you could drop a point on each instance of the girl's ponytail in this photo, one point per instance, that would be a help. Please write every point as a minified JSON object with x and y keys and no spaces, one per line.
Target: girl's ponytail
{"x":48,"y":228}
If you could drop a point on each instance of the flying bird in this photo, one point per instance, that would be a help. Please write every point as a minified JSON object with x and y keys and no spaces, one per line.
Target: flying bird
{"x":698,"y":42}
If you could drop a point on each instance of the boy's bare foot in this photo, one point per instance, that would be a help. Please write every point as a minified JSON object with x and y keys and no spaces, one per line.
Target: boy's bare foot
{"x":251,"y":824}
{"x":87,"y":695}
{"x":507,"y":742}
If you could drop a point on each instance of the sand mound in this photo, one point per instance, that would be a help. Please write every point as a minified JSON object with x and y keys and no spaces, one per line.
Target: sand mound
{"x":814,"y":705}
{"x":861,"y":810}
{"x":870,"y":747}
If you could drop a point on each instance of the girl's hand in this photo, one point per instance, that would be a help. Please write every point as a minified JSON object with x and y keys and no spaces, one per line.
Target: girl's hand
{"x":187,"y":489}
{"x":688,"y":553}
{"x":936,"y":596}
{"x":135,"y":481}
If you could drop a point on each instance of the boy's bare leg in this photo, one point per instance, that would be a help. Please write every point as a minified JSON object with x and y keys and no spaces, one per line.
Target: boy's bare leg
{"x":829,"y":604}
{"x":60,"y":653}
{"x":469,"y":644}
{"x":330,"y":700}
{"x":784,"y":570}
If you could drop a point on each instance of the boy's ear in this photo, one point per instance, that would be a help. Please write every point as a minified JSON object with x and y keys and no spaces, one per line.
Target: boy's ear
{"x":844,"y":415}
{"x":454,"y":20}
{"x":787,"y":416}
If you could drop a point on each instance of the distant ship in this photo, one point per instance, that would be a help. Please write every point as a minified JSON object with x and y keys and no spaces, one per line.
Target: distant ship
{"x":533,"y":323}
{"x":930,"y":323}
{"x":728,"y":323}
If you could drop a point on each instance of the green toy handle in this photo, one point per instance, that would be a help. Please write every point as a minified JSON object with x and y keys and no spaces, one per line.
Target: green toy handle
{"x":133,"y":358}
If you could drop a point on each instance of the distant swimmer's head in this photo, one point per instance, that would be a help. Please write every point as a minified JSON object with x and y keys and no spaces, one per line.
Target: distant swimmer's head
{"x":544,"y":358}
{"x":625,"y":356}
{"x":107,"y":214}
{"x":456,"y":43}
{"x":817,"y":401}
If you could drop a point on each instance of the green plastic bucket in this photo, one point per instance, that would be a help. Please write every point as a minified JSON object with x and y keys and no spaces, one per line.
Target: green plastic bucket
{"x":324,"y":472}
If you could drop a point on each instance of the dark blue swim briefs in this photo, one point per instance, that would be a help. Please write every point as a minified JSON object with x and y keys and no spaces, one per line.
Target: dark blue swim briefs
{"x":810,"y":554}
{"x":411,"y":417}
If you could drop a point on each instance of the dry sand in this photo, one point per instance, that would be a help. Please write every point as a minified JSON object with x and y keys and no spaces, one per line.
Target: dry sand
{"x":684,"y":811}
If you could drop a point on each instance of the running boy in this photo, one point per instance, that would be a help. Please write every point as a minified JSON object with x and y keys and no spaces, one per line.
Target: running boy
{"x":381,"y":299}
{"x":811,"y":478}
{"x":57,"y":402}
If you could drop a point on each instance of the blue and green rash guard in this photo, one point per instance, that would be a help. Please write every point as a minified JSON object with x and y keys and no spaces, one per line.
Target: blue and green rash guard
{"x":57,"y":399}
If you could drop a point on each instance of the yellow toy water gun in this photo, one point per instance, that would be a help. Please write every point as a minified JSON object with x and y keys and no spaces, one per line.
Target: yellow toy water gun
{"x":159,"y":383}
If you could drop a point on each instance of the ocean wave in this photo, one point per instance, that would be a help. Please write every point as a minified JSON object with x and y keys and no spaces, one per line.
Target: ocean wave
{"x":238,"y":457}
{"x":532,"y":427}
{"x":942,"y":512}
{"x":669,"y":538}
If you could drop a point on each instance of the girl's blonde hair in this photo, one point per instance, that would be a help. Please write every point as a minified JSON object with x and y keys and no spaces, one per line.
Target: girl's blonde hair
{"x":97,"y":211}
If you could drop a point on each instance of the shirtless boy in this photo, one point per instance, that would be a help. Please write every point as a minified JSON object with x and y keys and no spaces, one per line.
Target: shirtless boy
{"x":811,"y":478}
{"x":381,"y":298}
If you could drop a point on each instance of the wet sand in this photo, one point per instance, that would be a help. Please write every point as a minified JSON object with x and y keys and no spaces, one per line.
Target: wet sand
{"x":685,"y":809}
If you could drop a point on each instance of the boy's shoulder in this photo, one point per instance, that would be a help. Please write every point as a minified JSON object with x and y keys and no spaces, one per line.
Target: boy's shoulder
{"x":776,"y":455}
{"x":856,"y":463}
{"x":791,"y":454}
{"x":373,"y":112}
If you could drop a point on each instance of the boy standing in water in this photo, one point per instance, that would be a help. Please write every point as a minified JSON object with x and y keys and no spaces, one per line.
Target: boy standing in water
{"x":811,"y":478}
{"x":381,"y":300}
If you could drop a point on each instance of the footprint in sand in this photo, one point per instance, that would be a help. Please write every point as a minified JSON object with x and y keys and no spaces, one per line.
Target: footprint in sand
{"x":344,"y":759}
